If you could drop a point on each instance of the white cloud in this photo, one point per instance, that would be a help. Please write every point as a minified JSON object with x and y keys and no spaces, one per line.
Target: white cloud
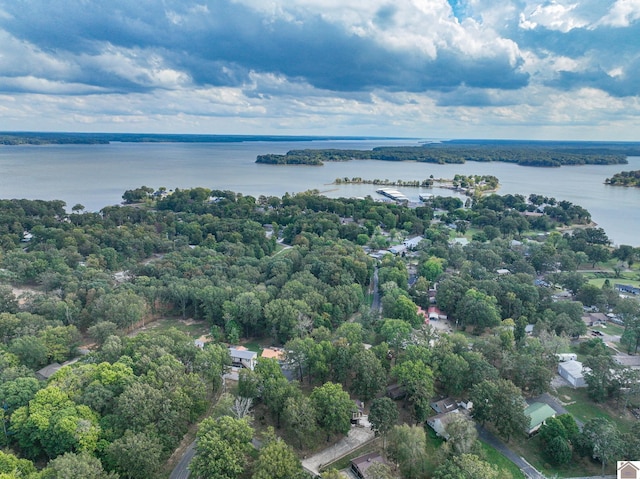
{"x":622,"y":13}
{"x":552,"y":15}
{"x":138,"y":66}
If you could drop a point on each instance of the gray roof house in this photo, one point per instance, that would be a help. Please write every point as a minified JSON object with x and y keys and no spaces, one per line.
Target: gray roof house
{"x":242,"y":358}
{"x":439,"y":422}
{"x":48,"y":371}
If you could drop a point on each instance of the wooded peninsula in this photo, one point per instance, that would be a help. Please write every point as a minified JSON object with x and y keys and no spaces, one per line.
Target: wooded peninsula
{"x":625,"y":178}
{"x":533,"y":153}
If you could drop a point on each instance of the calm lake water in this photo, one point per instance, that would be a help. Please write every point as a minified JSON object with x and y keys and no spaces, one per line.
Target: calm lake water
{"x":97,"y":175}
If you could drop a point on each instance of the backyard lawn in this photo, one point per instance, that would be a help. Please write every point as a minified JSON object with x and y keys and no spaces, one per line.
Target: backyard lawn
{"x":578,"y":403}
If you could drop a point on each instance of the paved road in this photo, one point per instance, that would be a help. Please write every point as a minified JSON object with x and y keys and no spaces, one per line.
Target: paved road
{"x":181,"y":471}
{"x":527,"y":469}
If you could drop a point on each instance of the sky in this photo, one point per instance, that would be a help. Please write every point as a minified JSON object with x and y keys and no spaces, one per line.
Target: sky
{"x":529,"y":69}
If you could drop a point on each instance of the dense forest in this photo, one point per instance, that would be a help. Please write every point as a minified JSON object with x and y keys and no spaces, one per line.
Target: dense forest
{"x":543,"y":154}
{"x":314,"y":276}
{"x":625,"y":178}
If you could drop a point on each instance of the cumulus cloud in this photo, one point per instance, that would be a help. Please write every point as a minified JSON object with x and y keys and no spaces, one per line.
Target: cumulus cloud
{"x":412,"y":46}
{"x":296,"y":63}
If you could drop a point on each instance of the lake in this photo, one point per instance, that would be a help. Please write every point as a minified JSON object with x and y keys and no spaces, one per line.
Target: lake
{"x":97,"y":175}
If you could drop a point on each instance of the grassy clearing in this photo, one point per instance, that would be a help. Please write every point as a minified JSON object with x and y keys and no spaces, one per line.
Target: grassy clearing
{"x":598,"y":279}
{"x":195,"y":329}
{"x":530,"y":449}
{"x":578,"y":403}
{"x":506,"y":467}
{"x":610,"y":328}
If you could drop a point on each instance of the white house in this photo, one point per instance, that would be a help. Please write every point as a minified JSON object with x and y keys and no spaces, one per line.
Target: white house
{"x":439,"y":423}
{"x":242,"y":358}
{"x":573,"y":371}
{"x":412,"y":243}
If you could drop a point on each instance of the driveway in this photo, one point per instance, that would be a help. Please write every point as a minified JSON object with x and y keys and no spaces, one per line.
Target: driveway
{"x":357,"y":437}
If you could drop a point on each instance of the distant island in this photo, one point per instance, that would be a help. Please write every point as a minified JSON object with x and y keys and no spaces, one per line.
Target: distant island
{"x":525,"y":153}
{"x":55,"y":138}
{"x":625,"y":178}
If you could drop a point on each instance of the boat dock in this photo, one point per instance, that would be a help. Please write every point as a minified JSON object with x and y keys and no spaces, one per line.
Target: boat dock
{"x":393,"y":194}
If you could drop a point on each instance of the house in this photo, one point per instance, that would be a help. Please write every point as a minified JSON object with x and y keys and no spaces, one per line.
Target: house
{"x":397,"y":249}
{"x":435,"y":313}
{"x":459,"y":241}
{"x":538,"y":413}
{"x":444,"y":405}
{"x":572,"y":371}
{"x":629,"y":469}
{"x":502,"y":271}
{"x":242,"y":358}
{"x":357,"y":413}
{"x":273,"y":353}
{"x":439,"y":423}
{"x":48,"y":371}
{"x":412,"y":243}
{"x":626,"y":288}
{"x":594,"y":319}
{"x":202,"y":341}
{"x":465,"y":404}
{"x":528,"y":329}
{"x":359,"y":465}
{"x":395,"y":391}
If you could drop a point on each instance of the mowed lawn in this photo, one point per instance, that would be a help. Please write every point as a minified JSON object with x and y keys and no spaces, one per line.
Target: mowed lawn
{"x":578,"y":403}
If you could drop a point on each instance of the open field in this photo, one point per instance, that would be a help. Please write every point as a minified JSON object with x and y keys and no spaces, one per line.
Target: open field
{"x":195,"y":329}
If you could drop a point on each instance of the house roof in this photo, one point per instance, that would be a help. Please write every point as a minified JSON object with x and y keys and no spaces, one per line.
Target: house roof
{"x":271,"y":353}
{"x":363,"y":463}
{"x":574,"y":368}
{"x":48,"y":371}
{"x":240,"y":354}
{"x":538,"y":413}
{"x":444,"y":405}
{"x":413,"y":242}
{"x":598,"y":317}
{"x":439,"y":422}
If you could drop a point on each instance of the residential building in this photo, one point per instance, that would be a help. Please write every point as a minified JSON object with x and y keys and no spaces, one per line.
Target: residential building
{"x":439,"y":423}
{"x":360,"y":465}
{"x":242,"y":358}
{"x":538,"y":413}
